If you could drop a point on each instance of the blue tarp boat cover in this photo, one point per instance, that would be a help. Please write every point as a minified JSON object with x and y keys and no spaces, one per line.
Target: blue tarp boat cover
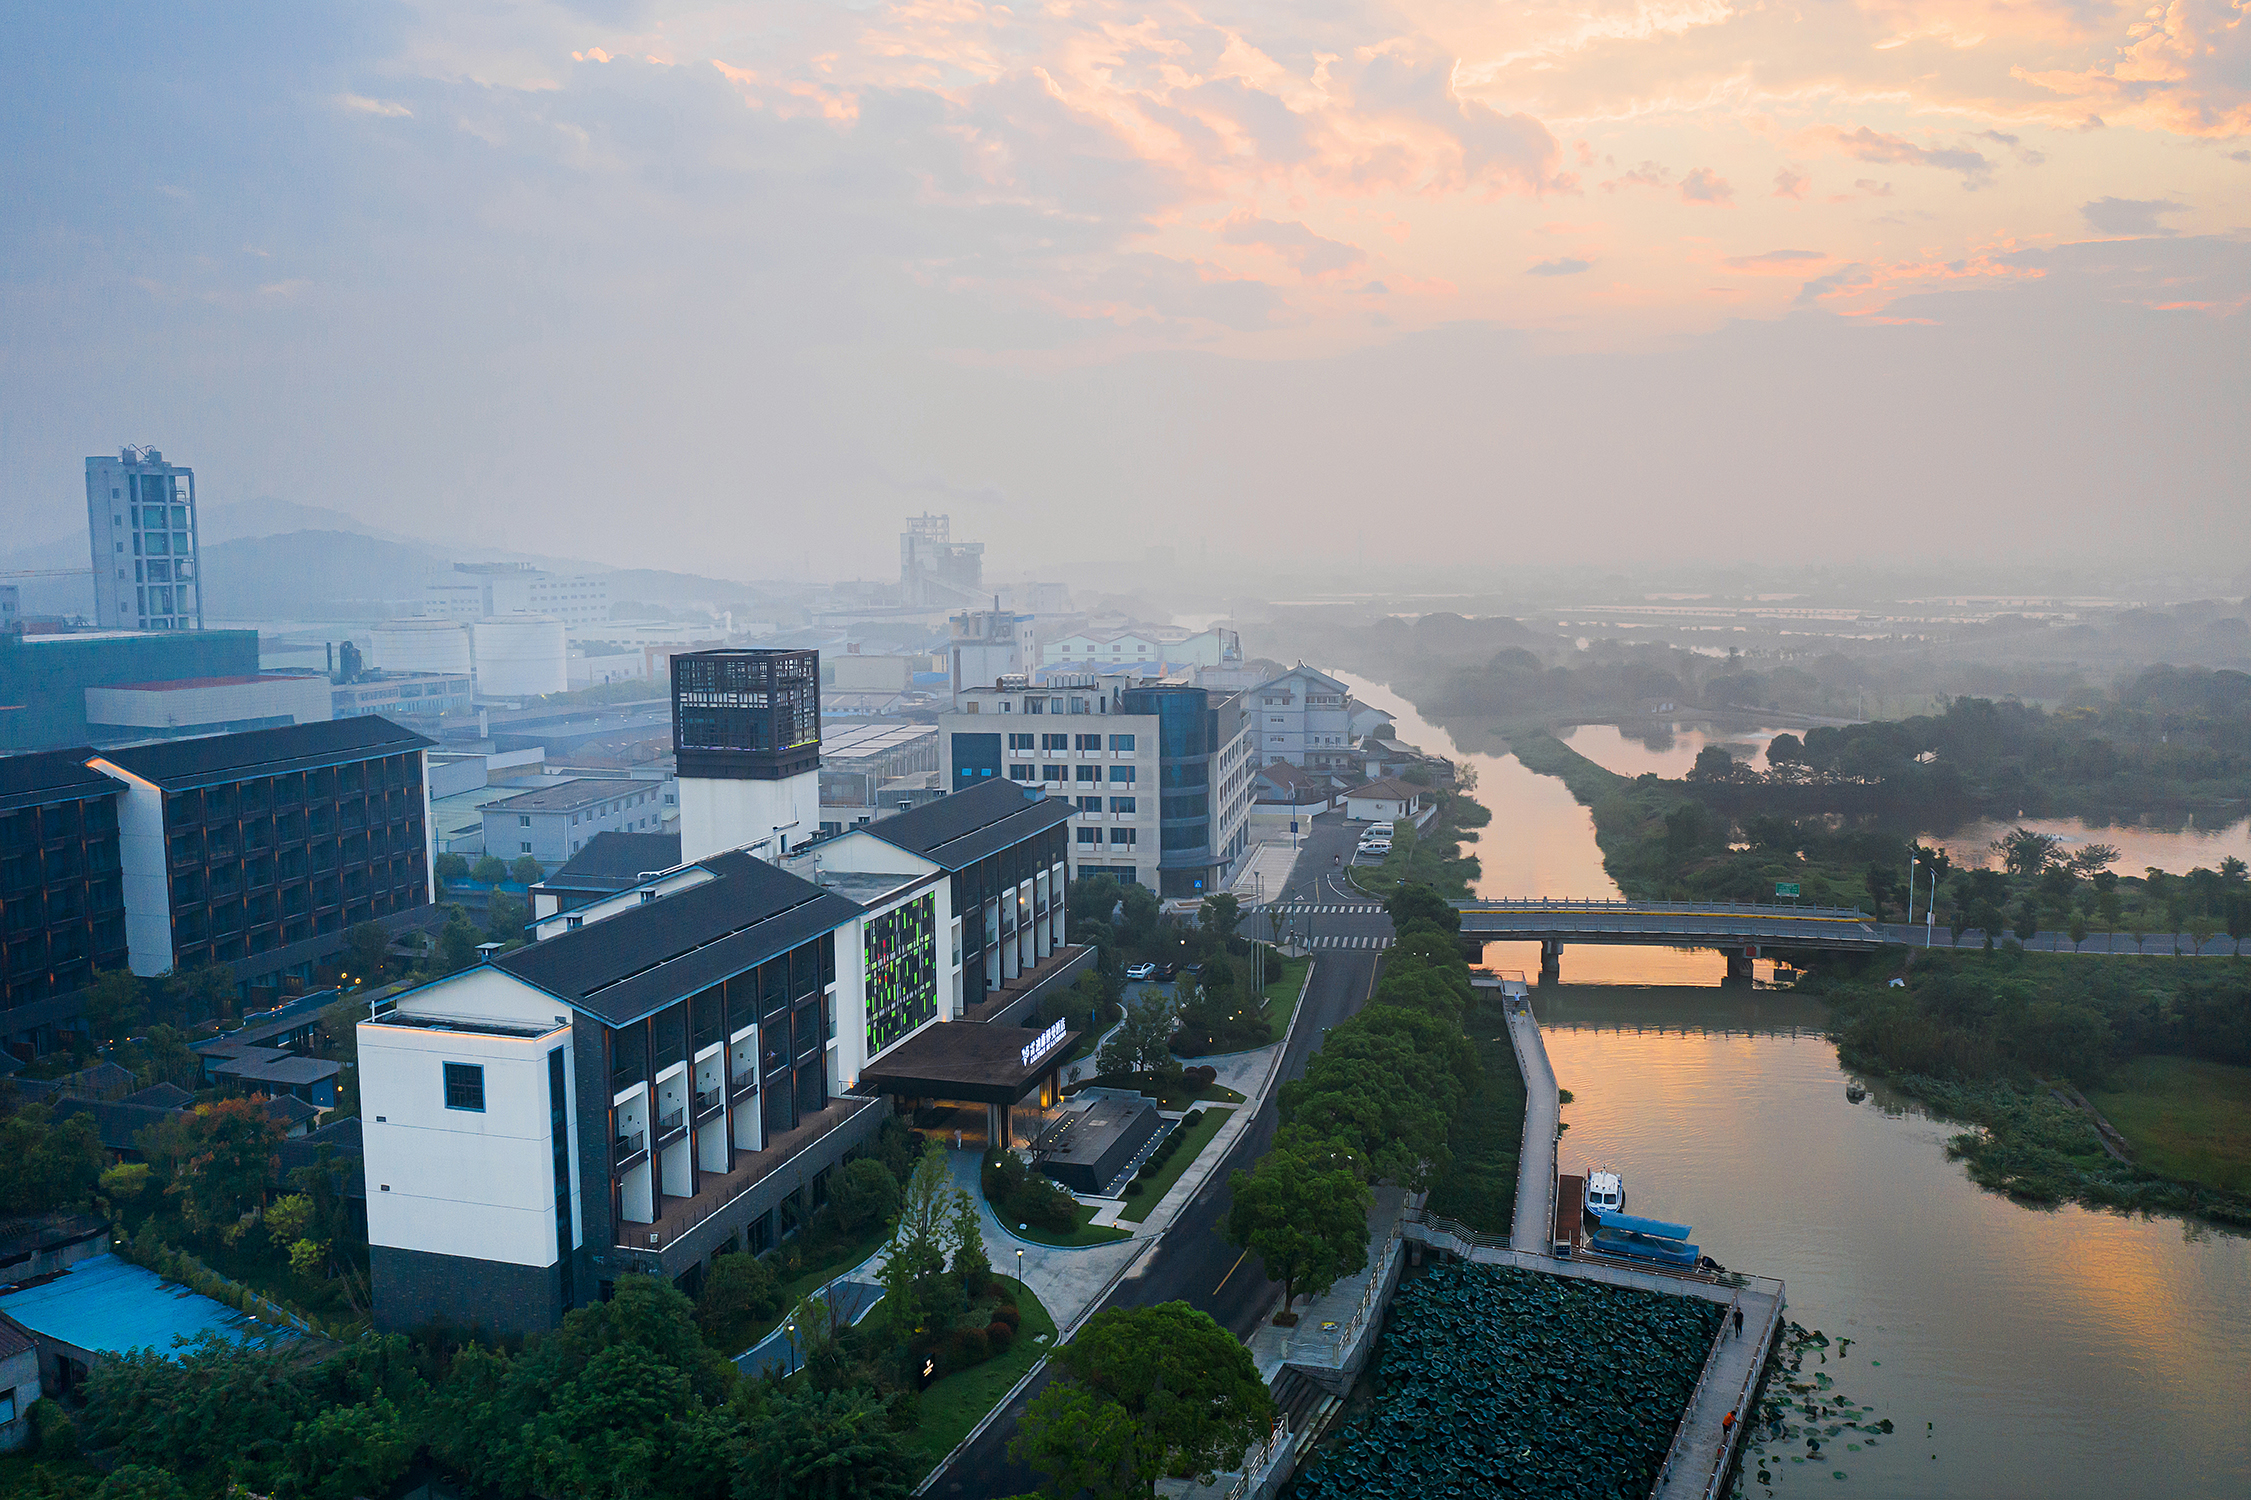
{"x":1631,"y":1225}
{"x":1668,"y":1252}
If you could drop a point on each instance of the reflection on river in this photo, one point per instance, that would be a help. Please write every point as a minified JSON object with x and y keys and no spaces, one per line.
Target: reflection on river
{"x":1666,"y":748}
{"x":2178,"y":850}
{"x":2065,"y":1353}
{"x":2059,"y":1353}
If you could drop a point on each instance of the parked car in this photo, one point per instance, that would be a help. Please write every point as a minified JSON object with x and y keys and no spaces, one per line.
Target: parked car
{"x":1167,"y":971}
{"x":1140,"y":971}
{"x":1193,"y":971}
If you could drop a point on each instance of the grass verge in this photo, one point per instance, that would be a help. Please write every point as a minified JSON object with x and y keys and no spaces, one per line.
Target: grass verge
{"x":1479,"y":1188}
{"x":1153,"y":1189}
{"x":1282,"y":991}
{"x":2185,"y":1118}
{"x":1085,"y":1234}
{"x":957,"y":1403}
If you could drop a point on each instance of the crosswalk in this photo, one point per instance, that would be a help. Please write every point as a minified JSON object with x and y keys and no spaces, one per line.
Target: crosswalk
{"x":1345,"y":940}
{"x":1365,"y":909}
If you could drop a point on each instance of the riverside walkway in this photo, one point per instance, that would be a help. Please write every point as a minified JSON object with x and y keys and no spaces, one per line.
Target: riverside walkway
{"x":1703,"y":1443}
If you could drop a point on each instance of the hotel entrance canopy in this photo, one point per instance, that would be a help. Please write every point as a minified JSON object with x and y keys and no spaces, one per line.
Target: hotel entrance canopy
{"x":969,"y":1061}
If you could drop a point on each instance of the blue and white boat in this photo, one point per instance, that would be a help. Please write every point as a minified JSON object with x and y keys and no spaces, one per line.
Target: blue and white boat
{"x":1631,"y":1238}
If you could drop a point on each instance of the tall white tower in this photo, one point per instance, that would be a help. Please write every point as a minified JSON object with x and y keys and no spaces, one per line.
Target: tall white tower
{"x":141,"y":522}
{"x":746,"y":734}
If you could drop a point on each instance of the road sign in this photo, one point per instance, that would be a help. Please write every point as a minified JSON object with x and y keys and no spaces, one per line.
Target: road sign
{"x":1785,"y":888}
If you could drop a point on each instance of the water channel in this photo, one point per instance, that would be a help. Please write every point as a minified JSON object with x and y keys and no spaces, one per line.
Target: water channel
{"x":2061,"y":1353}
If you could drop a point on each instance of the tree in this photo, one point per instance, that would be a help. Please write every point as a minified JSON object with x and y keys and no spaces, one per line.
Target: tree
{"x":1188,"y":1386}
{"x":927,"y":1208}
{"x":457,"y":943}
{"x":740,"y":1293}
{"x":347,"y":1451}
{"x":863,"y":1195}
{"x":366,"y":950}
{"x":2077,"y":929}
{"x":2239,"y":921}
{"x":1420,"y":906}
{"x":46,"y":1165}
{"x":525,"y":870}
{"x":1882,"y":884}
{"x":1306,"y":1218}
{"x":968,"y":1234}
{"x":231,"y":1152}
{"x":2201,"y":929}
{"x":450,"y":867}
{"x":488,"y":870}
{"x":202,"y":993}
{"x":824,"y":1445}
{"x":506,"y":917}
{"x":1083,"y":1442}
{"x":1142,"y":1042}
{"x":2091,"y":860}
{"x":2026,"y":851}
{"x":140,"y":1482}
{"x":2028,"y":921}
{"x":115,"y":1005}
{"x":1221,"y":913}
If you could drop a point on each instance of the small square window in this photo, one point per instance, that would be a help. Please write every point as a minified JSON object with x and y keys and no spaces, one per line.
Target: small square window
{"x":465,"y":1087}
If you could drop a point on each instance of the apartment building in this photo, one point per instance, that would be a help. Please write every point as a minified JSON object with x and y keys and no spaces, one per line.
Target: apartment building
{"x":62,"y":894}
{"x":552,"y":823}
{"x":1158,"y":778}
{"x":141,"y":522}
{"x":1303,"y":717}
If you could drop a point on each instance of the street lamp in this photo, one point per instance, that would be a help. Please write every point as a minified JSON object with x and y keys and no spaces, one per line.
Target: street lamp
{"x":1019,"y":1273}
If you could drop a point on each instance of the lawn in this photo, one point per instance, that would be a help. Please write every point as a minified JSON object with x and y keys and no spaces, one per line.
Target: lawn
{"x":1085,"y":1234}
{"x":2185,"y":1118}
{"x":1142,"y":1083}
{"x":1281,"y":995}
{"x":820,"y":1273}
{"x":1153,"y":1189}
{"x":957,"y":1403}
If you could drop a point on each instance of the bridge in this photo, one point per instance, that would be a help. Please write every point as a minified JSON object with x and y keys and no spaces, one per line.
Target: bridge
{"x":1742,"y":932}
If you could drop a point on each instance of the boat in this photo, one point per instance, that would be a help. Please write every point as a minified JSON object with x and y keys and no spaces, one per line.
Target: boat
{"x":1654,"y":1240}
{"x":1606,"y":1192}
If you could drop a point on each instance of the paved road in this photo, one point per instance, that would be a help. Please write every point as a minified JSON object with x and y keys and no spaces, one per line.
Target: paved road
{"x":1194,"y":1263}
{"x":2097,"y":943}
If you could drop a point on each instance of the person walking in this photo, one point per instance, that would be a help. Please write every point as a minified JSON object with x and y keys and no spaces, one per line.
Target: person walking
{"x":1739,"y":1322}
{"x":1727,"y":1425}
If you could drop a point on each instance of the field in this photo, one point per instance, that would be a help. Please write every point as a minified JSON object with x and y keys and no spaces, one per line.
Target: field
{"x":2185,"y":1118}
{"x":1496,"y":1381}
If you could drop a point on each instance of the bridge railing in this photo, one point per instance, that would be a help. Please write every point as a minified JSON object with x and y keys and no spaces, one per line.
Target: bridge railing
{"x":1573,"y":903}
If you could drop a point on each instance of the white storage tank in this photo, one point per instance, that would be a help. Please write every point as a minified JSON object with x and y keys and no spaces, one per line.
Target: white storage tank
{"x":420,"y":645}
{"x":521,"y":656}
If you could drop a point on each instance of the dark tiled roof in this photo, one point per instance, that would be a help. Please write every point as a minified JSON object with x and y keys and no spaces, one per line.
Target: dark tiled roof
{"x":958,"y":830}
{"x":632,"y":965}
{"x":50,"y":776}
{"x":176,"y":764}
{"x":342,"y":1138}
{"x":287,"y":1111}
{"x":613,"y":861}
{"x":265,"y":1065}
{"x":117,"y":1123}
{"x":162,"y":1095}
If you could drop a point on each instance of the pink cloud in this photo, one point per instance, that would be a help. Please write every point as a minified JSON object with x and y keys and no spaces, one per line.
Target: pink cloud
{"x":1707,"y":187}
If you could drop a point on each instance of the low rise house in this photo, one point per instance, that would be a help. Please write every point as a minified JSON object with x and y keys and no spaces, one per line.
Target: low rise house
{"x":19,"y":1385}
{"x":1384,"y":801}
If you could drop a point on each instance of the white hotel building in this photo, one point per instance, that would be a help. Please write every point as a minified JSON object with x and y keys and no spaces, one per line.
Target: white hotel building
{"x":676,"y":1067}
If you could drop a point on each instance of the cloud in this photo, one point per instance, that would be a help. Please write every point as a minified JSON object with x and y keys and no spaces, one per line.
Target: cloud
{"x":1868,"y":145}
{"x":2130,"y":216}
{"x":1706,"y":186}
{"x":1774,"y":259}
{"x":1308,"y":253}
{"x":1561,"y":266}
{"x":361,"y":104}
{"x":1649,"y":174}
{"x":1791,"y":184}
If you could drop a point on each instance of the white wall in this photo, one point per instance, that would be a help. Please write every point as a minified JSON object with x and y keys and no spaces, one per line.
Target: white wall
{"x":457,"y":1182}
{"x":717,"y":814}
{"x":147,"y":882}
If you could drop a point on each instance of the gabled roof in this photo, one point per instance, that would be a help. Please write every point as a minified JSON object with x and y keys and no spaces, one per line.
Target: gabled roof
{"x":1389,"y":791}
{"x":613,"y":861}
{"x":958,"y":830}
{"x":177,"y":765}
{"x":50,"y":776}
{"x":1311,"y":674}
{"x":631,"y":965}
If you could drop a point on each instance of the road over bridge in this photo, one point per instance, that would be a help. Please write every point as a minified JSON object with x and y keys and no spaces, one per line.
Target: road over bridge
{"x":1741,"y":932}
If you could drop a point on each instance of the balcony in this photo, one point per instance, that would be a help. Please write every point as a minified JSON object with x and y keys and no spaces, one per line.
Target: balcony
{"x":744,"y":1083}
{"x":715,"y":1190}
{"x":630,"y":1148}
{"x":668,"y":1124}
{"x":707,"y":1102}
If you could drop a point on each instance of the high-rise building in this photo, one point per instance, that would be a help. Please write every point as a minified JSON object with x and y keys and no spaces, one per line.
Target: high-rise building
{"x":936,"y":569}
{"x":746,"y":739}
{"x":141,"y":521}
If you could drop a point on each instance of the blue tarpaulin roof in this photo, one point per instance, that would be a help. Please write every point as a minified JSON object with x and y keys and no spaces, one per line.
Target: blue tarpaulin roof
{"x":1657,"y":1228}
{"x":112,"y":1306}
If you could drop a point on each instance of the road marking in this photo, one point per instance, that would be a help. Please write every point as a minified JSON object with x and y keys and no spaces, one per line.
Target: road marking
{"x":1246,"y":1255}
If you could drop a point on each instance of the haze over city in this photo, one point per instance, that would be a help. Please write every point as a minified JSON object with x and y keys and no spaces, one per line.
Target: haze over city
{"x":1658,"y":281}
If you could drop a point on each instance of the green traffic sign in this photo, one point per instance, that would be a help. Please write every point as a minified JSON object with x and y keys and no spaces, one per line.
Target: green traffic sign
{"x":1785,"y":888}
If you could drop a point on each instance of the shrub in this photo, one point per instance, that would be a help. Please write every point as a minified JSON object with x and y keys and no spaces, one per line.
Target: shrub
{"x":1195,"y":1118}
{"x":966,"y":1347}
{"x":1000,"y":1335}
{"x":1202,"y":1076}
{"x":57,"y":1435}
{"x":1007,"y":1313}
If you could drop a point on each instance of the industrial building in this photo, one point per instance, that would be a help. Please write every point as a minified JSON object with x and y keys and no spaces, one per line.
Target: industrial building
{"x":477,"y":591}
{"x":141,"y":524}
{"x":45,"y":679}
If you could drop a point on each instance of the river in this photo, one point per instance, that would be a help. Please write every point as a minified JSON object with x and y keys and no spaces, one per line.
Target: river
{"x":2063,"y":1353}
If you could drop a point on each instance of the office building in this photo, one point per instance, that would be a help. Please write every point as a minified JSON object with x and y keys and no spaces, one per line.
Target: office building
{"x":678,"y":1064}
{"x":746,"y":743}
{"x":859,"y":761}
{"x":45,"y":679}
{"x":258,"y":850}
{"x":1303,"y":717}
{"x":62,"y":901}
{"x":403,"y":695}
{"x":477,"y":590}
{"x":934,"y":569}
{"x":1158,"y":778}
{"x":552,"y":823}
{"x":141,"y":522}
{"x":1216,"y":648}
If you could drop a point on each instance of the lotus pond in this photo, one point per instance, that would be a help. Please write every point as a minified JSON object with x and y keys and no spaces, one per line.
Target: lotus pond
{"x":1495,"y":1381}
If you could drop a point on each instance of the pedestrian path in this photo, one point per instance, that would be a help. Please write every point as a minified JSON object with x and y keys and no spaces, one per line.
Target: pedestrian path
{"x":1266,"y":873}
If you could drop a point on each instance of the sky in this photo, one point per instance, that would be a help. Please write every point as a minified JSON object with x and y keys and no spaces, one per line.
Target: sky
{"x":732,"y":287}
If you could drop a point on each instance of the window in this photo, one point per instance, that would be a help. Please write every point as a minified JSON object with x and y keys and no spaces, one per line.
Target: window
{"x":1121,"y":804}
{"x":1090,"y":742}
{"x":1020,"y":742}
{"x":1090,"y":773}
{"x":1090,"y":804}
{"x":1019,"y":773}
{"x":1121,"y":742}
{"x":1055,"y":742}
{"x":1121,"y":775}
{"x":523,"y":820}
{"x":465,"y":1087}
{"x":1035,"y":705}
{"x":1122,"y":837}
{"x":1090,"y":835}
{"x":573,"y":924}
{"x":1052,"y":773}
{"x":7,"y":1406}
{"x":523,"y":848}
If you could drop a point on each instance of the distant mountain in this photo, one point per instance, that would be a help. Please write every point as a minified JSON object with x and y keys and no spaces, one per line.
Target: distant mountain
{"x":266,"y":515}
{"x":314,"y":575}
